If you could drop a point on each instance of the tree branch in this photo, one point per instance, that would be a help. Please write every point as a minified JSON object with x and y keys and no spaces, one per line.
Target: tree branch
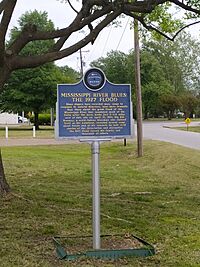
{"x":30,"y":34}
{"x":143,"y":7}
{"x":84,"y":19}
{"x":8,"y":7}
{"x":148,"y":27}
{"x":19,"y":62}
{"x":186,"y":7}
{"x":21,"y":40}
{"x":186,"y":26}
{"x":97,"y":14}
{"x":2,"y":6}
{"x":153,"y":28}
{"x":69,"y":2}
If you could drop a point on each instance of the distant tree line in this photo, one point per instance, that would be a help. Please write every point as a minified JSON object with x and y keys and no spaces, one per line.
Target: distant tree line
{"x":169,"y":75}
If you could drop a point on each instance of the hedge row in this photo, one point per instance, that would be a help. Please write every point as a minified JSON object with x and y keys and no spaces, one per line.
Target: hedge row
{"x":44,"y":119}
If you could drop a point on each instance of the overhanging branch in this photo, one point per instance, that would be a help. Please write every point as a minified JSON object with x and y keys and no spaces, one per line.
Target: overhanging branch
{"x":2,"y":6}
{"x":29,"y":34}
{"x":8,"y":8}
{"x":186,"y":7}
{"x":143,"y":7}
{"x":153,"y":28}
{"x":19,"y":62}
{"x":187,"y":26}
{"x":70,"y":4}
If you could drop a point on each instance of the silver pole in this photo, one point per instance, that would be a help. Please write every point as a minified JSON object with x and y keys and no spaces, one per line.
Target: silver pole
{"x":96,"y":194}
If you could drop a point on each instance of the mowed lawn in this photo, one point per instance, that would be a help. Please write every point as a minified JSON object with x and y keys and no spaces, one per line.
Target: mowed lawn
{"x":155,"y":197}
{"x":189,"y":128}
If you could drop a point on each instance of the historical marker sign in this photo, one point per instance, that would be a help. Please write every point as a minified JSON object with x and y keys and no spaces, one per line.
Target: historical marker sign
{"x":94,"y":108}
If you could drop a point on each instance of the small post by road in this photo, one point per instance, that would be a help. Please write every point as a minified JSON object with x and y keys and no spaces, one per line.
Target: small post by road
{"x":6,"y":128}
{"x":187,"y":121}
{"x":34,"y":132}
{"x":124,"y":141}
{"x":52,"y":116}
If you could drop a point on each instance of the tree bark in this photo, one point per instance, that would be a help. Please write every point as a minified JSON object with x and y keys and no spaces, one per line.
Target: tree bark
{"x":4,"y":186}
{"x":4,"y":75}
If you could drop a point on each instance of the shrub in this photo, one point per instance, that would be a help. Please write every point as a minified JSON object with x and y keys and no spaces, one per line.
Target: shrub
{"x":44,"y":119}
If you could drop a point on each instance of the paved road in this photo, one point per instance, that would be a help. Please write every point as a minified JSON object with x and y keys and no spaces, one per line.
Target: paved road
{"x":162,"y":131}
{"x":152,"y":131}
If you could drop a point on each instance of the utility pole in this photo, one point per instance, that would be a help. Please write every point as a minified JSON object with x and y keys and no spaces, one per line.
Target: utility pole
{"x":138,"y":90}
{"x":82,"y":63}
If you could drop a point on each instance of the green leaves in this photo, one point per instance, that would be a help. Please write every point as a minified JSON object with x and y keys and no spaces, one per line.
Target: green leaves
{"x":33,"y":89}
{"x":114,"y":65}
{"x":37,"y":18}
{"x":40,"y":21}
{"x":162,"y":19}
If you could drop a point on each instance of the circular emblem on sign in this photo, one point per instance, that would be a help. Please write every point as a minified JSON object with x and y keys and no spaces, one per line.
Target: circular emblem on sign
{"x":94,"y":79}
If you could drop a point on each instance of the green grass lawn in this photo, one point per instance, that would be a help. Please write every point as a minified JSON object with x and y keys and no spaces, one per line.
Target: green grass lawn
{"x":190,"y":128}
{"x":155,"y":197}
{"x":26,"y":131}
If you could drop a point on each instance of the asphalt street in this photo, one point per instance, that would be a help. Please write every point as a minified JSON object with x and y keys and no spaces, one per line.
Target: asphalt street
{"x":163,"y":131}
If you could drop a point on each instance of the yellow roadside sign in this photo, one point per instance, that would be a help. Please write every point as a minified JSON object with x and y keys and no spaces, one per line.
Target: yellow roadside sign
{"x":187,"y":120}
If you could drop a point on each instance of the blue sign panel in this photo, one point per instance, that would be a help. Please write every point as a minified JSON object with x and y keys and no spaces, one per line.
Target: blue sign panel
{"x":84,"y":112}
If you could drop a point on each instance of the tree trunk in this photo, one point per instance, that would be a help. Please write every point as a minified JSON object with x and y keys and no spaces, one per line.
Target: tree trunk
{"x":4,"y":186}
{"x":145,"y":114}
{"x":36,"y":122}
{"x":169,"y":115}
{"x":4,"y":75}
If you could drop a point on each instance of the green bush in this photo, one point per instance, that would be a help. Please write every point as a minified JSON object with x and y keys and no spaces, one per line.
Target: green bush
{"x":44,"y":119}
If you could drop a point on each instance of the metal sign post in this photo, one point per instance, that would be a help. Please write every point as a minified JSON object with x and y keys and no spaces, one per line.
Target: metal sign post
{"x":95,"y":149}
{"x":95,"y":152}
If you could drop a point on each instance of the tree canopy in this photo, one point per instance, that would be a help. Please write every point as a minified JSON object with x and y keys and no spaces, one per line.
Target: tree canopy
{"x":92,"y":15}
{"x":169,"y":75}
{"x":33,"y":89}
{"x":180,"y":60}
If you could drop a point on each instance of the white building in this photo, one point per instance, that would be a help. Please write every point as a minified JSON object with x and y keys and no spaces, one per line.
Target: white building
{"x":8,"y":118}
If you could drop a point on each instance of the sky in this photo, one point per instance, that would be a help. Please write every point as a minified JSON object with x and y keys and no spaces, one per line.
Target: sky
{"x":111,"y":38}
